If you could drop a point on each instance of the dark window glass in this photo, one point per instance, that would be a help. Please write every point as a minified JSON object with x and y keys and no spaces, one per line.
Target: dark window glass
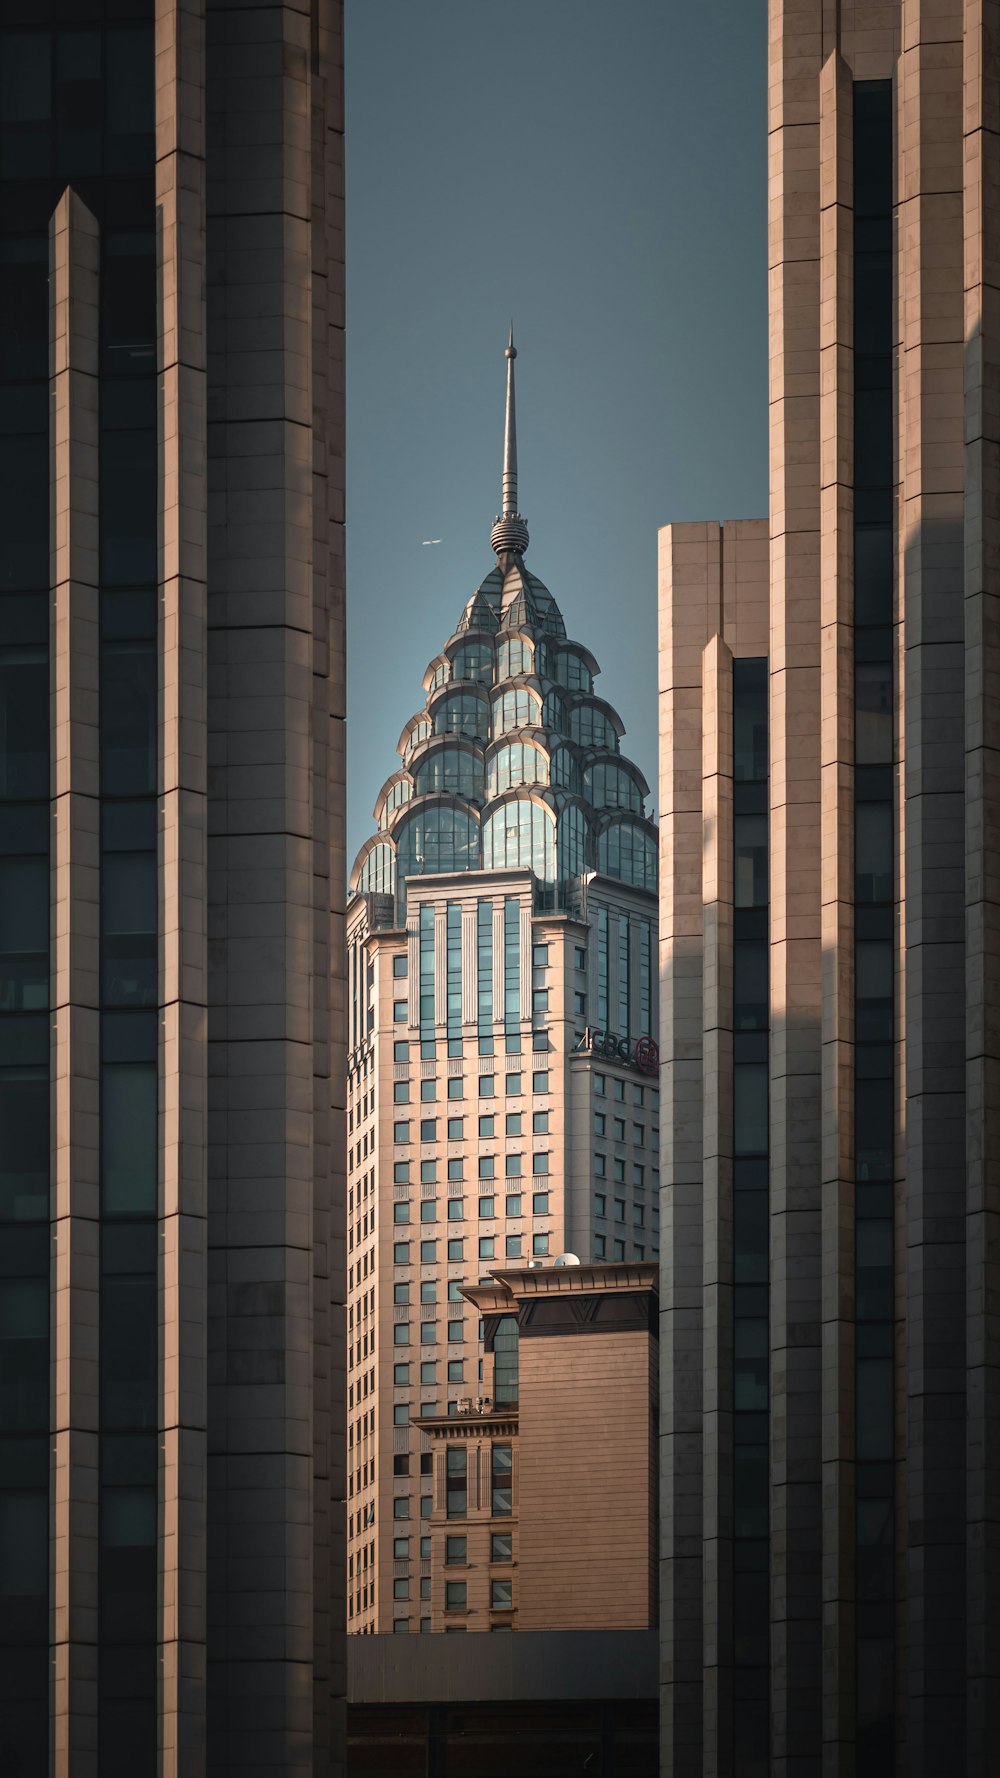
{"x":128,"y":720}
{"x":24,"y":1119}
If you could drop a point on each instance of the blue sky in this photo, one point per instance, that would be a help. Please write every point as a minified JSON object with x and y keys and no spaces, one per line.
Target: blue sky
{"x":596,"y":171}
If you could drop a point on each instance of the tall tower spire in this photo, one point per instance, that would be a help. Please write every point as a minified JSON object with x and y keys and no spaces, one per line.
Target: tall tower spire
{"x":509,"y":536}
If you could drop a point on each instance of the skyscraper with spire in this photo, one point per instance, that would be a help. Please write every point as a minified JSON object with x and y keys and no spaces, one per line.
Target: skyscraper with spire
{"x":502,"y":1084}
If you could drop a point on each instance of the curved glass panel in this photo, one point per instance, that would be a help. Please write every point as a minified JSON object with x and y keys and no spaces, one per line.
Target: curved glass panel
{"x":572,"y":672}
{"x":572,"y":841}
{"x":627,"y":852}
{"x":514,"y":656}
{"x":521,"y":835}
{"x":453,"y":769}
{"x":378,"y":873}
{"x":419,"y":732}
{"x":608,"y":786}
{"x":554,"y":713}
{"x":474,"y":660}
{"x":517,"y":763}
{"x":461,"y":713}
{"x":442,"y":674}
{"x":590,"y":727}
{"x":436,"y":839}
{"x":515,"y":709}
{"x":565,"y":770}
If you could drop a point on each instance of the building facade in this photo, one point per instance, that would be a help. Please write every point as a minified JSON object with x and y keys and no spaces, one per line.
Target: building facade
{"x":829,"y":940}
{"x":171,"y":917}
{"x":501,"y":940}
{"x":544,"y":1485}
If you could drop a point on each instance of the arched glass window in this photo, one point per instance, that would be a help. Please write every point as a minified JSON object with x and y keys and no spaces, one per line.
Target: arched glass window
{"x":554,"y":714}
{"x":461,"y":713}
{"x":565,"y":770}
{"x":628,"y":852}
{"x":517,"y":763}
{"x":474,"y":660}
{"x":521,"y":835}
{"x":515,"y":709}
{"x":572,"y":672}
{"x":608,"y":786}
{"x":419,"y":732}
{"x":378,"y":873}
{"x":451,"y":768}
{"x":442,"y":674}
{"x":590,"y":727}
{"x":437,"y":839}
{"x":514,"y":655}
{"x":572,"y":841}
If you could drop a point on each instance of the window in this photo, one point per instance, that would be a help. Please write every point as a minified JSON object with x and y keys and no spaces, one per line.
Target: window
{"x":619,"y":1168}
{"x":513,"y":1165}
{"x":428,"y":1129}
{"x":428,"y":1291}
{"x":456,"y":1168}
{"x":401,"y":1172}
{"x":580,"y":1005}
{"x":456,"y":1332}
{"x":619,"y":1086}
{"x":501,"y":1546}
{"x":400,"y":1549}
{"x":501,"y":1595}
{"x":600,"y":1166}
{"x":428,"y":1210}
{"x":513,"y":1247}
{"x":455,"y":1290}
{"x":513,"y":1085}
{"x":540,"y":1081}
{"x":401,"y":1093}
{"x":486,"y":1165}
{"x":428,"y":1089}
{"x":539,"y":1244}
{"x":400,"y":1375}
{"x":456,"y":1551}
{"x":487,"y":1085}
{"x":486,"y":1207}
{"x":428,"y":1333}
{"x":540,"y":956}
{"x":400,"y":1011}
{"x":399,"y":965}
{"x":401,"y":1466}
{"x":540,"y":1122}
{"x":540,"y":1163}
{"x":486,"y":1247}
{"x":400,"y":1626}
{"x":619,"y":1250}
{"x":427,"y":1500}
{"x":486,"y":1126}
{"x":456,"y":1249}
{"x":456,"y":1209}
{"x":456,"y":1086}
{"x":401,"y":1506}
{"x":638,"y":1135}
{"x":401,"y":1293}
{"x":513,"y":1123}
{"x":540,"y":1204}
{"x":456,"y":1496}
{"x":428,"y":1252}
{"x":540,"y":1000}
{"x":401,"y":1253}
{"x":400,"y":1051}
{"x":428,"y":1372}
{"x":456,"y":1128}
{"x":599,"y":1246}
{"x":456,"y":1370}
{"x":454,"y":1595}
{"x":502,"y":1480}
{"x":428,"y":1172}
{"x":638,"y":1176}
{"x":600,"y":1123}
{"x":401,"y":1333}
{"x":514,"y":1204}
{"x":619,"y":1209}
{"x":401,"y":1212}
{"x":639,"y":1216}
{"x":401,"y":1413}
{"x":638,"y":1095}
{"x":580,"y":957}
{"x":401,"y":1131}
{"x":425,"y":1549}
{"x":619,"y":1124}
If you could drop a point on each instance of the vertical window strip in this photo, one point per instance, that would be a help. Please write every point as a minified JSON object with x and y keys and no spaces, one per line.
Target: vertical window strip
{"x":645,"y":978}
{"x":874,"y":924}
{"x":454,"y":972}
{"x":623,"y":975}
{"x":602,"y":968}
{"x":512,"y":964}
{"x":751,"y":1387}
{"x":426,"y":938}
{"x":484,"y":966}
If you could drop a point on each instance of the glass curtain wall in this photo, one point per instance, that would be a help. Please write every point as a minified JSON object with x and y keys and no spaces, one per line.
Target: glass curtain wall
{"x":751,"y":1600}
{"x":874,"y":923}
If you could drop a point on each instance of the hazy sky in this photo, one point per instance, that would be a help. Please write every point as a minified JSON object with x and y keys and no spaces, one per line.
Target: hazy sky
{"x":595,"y":169}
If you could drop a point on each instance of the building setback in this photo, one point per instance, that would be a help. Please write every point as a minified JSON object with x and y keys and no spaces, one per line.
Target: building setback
{"x":501,"y":975}
{"x":171,"y":983}
{"x":830,"y":934}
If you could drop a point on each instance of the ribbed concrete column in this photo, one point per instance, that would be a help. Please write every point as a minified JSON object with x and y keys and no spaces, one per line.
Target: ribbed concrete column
{"x":982,"y":872}
{"x":717,"y":1224}
{"x":183,"y":983}
{"x":73,"y":295}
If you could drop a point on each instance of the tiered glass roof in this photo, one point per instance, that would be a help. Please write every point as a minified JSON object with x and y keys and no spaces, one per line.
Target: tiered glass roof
{"x":513,"y":761}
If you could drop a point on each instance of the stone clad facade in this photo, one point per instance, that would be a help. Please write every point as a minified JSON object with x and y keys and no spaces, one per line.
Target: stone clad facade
{"x":828,"y":1599}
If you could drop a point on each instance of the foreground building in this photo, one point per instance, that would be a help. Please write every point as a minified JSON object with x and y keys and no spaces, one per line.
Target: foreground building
{"x":830,"y":935}
{"x":502,"y":1096}
{"x":171,"y":800}
{"x":555,"y":1456}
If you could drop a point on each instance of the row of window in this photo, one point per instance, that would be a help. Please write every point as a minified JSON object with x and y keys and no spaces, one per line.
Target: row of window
{"x":514,"y":1248}
{"x":638,"y":1211}
{"x":519,"y":835}
{"x":455,"y":1128}
{"x":513,"y":1206}
{"x":513,"y":1086}
{"x":513,"y":1168}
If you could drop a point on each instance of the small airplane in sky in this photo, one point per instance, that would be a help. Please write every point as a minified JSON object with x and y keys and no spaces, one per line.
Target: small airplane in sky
{"x":429,"y":540}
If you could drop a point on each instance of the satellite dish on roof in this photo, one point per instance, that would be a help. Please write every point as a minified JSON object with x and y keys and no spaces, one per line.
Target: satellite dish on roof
{"x":566,"y":1259}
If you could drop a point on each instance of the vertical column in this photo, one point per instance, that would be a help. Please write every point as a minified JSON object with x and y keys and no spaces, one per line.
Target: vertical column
{"x":717,"y":896}
{"x":262,"y":916}
{"x":329,"y":879}
{"x":689,"y":608}
{"x":180,"y":197}
{"x":836,"y":759}
{"x":795,"y":1424}
{"x":931,"y":547}
{"x":73,"y":295}
{"x":469,"y":963}
{"x":982,"y":873}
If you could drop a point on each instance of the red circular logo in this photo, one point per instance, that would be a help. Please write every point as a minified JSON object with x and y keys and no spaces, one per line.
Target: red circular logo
{"x":646,"y":1056}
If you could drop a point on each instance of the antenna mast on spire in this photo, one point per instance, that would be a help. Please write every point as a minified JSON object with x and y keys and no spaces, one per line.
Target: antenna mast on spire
{"x":509,"y":536}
